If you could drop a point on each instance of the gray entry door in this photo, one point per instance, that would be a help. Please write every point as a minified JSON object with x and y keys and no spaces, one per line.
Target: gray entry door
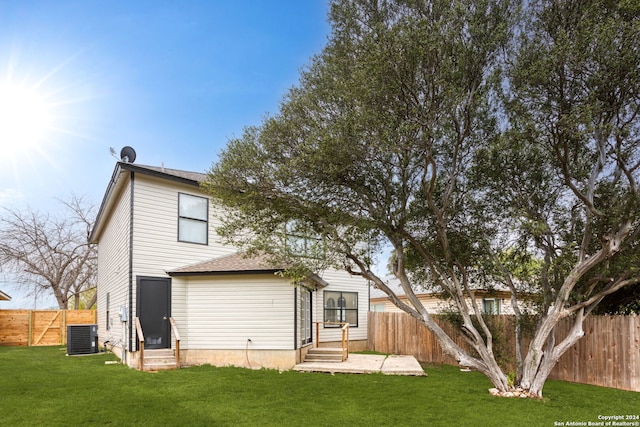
{"x":154,"y":310}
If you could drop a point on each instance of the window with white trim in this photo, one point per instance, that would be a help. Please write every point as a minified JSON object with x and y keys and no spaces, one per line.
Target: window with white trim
{"x":193,"y":214}
{"x":378,"y":308}
{"x":490,"y":306}
{"x":341,"y":307}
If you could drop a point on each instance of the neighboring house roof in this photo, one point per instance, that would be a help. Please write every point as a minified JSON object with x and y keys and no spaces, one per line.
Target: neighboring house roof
{"x":238,"y":263}
{"x":394,"y":284}
{"x":118,"y":179}
{"x":4,"y":297}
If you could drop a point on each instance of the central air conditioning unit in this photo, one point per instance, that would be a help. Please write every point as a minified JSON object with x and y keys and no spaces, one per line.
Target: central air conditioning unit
{"x":82,"y":339}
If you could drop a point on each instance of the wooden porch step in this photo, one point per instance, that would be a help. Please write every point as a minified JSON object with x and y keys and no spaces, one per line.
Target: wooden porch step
{"x":324,"y":354}
{"x":159,"y":360}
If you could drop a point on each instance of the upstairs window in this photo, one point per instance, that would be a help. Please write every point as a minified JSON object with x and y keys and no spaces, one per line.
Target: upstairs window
{"x":301,"y":242}
{"x":193,"y":214}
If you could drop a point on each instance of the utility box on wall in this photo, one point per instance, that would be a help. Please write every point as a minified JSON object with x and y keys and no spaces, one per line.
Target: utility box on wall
{"x":82,"y":339}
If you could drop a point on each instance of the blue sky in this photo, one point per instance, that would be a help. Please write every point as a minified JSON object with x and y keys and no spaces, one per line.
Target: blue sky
{"x":174,"y":80}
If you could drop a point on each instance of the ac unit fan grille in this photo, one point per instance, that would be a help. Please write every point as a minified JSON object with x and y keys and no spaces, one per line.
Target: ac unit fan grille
{"x":82,"y":339}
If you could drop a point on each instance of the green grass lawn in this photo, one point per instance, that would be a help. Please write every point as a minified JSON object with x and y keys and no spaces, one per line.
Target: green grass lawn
{"x":43,"y":386}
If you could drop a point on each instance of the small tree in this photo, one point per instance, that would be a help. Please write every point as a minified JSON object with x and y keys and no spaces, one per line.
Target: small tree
{"x":404,"y":132}
{"x":50,"y":253}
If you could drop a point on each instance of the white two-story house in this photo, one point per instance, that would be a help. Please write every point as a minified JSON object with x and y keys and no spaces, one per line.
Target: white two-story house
{"x":163,"y":273}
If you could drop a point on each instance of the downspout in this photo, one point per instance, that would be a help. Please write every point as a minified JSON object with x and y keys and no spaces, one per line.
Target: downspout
{"x":132,"y":345}
{"x":295,"y":318}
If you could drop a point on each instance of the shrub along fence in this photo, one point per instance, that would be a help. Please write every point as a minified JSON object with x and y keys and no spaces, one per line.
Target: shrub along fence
{"x":608,"y":355}
{"x":40,"y":327}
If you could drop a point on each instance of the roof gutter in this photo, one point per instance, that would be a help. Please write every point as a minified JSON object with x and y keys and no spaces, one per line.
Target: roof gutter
{"x":219,"y":273}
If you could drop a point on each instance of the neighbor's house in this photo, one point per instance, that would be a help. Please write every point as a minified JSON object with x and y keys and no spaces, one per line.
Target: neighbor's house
{"x":494,"y":301}
{"x":161,"y":262}
{"x":4,"y":297}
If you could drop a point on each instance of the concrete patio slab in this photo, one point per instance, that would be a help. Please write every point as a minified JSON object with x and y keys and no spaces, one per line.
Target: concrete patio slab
{"x":367,"y":364}
{"x":402,"y":365}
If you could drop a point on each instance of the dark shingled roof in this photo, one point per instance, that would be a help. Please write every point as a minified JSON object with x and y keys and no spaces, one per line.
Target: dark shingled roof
{"x":238,"y":263}
{"x":192,"y":176}
{"x":235,"y":263}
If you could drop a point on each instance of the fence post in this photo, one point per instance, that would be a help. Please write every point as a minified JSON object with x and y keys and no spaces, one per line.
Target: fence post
{"x":30,"y":331}
{"x":63,"y":328}
{"x":19,"y":327}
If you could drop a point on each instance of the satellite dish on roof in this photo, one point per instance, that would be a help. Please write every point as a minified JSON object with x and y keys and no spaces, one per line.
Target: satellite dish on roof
{"x":128,"y":154}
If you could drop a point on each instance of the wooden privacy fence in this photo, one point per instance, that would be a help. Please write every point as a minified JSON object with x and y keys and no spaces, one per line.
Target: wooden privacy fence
{"x":40,"y":327}
{"x":608,"y":355}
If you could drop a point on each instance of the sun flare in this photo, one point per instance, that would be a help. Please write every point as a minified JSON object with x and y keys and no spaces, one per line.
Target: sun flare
{"x":25,"y":119}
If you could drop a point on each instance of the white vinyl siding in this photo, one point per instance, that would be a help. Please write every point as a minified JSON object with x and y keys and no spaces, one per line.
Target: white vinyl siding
{"x":156,"y":245}
{"x":214,"y":312}
{"x":113,"y":269}
{"x":225,"y":311}
{"x":342,"y":282}
{"x":431,"y":303}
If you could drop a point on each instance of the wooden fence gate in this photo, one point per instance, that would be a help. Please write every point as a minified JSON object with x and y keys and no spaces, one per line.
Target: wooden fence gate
{"x":40,"y":327}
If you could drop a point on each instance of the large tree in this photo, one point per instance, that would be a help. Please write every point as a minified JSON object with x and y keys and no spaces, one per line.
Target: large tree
{"x":439,"y":129}
{"x":575,"y":97}
{"x":48,"y":252}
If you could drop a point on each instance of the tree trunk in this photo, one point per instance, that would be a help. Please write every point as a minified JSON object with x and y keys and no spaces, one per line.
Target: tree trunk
{"x":63,"y":302}
{"x":93,"y":300}
{"x":539,"y":363}
{"x":487,"y":365}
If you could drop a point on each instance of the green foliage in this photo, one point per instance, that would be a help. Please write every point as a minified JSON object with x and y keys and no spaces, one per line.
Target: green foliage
{"x":86,"y":300}
{"x":487,"y":143}
{"x":624,"y":301}
{"x":375,"y":138}
{"x":573,"y":109}
{"x":502,"y":345}
{"x":511,"y":378}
